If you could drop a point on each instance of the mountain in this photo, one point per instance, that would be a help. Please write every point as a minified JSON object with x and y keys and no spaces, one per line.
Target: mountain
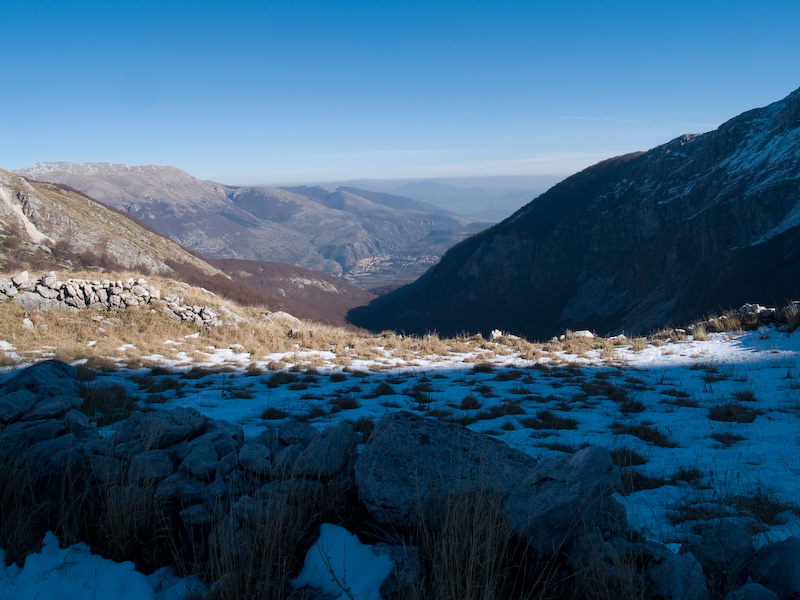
{"x":701,"y":223}
{"x":51,"y":227}
{"x":374,"y":240}
{"x":490,"y":198}
{"x":303,"y":293}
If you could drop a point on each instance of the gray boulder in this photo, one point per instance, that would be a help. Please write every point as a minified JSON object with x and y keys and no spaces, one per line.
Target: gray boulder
{"x":201,"y":461}
{"x":752,"y":591}
{"x":255,"y":458}
{"x":284,"y":462}
{"x":327,"y":454}
{"x":15,"y":404}
{"x":46,"y":379}
{"x":180,"y":487}
{"x":563,"y":497}
{"x":150,"y":466}
{"x":777,"y":567}
{"x":296,"y":432}
{"x":670,"y":576}
{"x":725,"y":552}
{"x":52,"y":408}
{"x":412,"y":466}
{"x":161,"y":429}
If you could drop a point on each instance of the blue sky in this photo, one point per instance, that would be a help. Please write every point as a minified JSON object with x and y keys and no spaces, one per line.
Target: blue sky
{"x":247,"y":92}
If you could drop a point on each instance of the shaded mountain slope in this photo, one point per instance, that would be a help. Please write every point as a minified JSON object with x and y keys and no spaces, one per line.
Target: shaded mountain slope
{"x":629,"y":244}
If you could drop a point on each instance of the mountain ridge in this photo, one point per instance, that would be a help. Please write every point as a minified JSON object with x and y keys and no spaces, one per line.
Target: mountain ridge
{"x":372,"y":240}
{"x":629,"y":244}
{"x":47,"y":226}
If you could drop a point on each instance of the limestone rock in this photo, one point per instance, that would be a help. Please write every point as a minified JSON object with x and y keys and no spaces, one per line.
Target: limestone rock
{"x":201,"y":461}
{"x":255,"y":458}
{"x":777,"y":567}
{"x":15,"y":404}
{"x":296,"y":432}
{"x":327,"y":454}
{"x":46,"y":379}
{"x":562,"y":497}
{"x":752,"y":591}
{"x":150,"y":466}
{"x":412,"y":465}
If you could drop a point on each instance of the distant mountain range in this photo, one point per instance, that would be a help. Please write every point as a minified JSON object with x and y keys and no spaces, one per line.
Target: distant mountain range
{"x":50,"y":227}
{"x":701,"y":223}
{"x":375,"y":240}
{"x":492,"y":198}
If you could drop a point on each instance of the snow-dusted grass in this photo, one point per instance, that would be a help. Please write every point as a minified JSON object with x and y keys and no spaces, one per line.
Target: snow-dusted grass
{"x":701,"y":427}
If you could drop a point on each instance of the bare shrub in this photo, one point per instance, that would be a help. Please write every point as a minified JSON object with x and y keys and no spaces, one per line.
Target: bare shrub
{"x":644,"y":431}
{"x":733,"y":412}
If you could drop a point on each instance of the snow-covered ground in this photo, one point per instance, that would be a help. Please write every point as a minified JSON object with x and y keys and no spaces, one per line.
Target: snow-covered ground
{"x":698,"y":395}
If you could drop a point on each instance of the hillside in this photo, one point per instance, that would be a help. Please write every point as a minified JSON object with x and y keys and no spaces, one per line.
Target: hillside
{"x":47,"y":226}
{"x":376,"y":241}
{"x":630,"y":244}
{"x":225,"y":448}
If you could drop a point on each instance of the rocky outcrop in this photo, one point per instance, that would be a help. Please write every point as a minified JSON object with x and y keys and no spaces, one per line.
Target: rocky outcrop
{"x":630,"y":244}
{"x":218,"y":490}
{"x":101,"y":295}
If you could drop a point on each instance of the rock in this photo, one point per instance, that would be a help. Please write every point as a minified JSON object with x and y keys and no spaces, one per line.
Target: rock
{"x":255,"y":458}
{"x":412,"y":465}
{"x":563,"y":497}
{"x":76,"y":421}
{"x":61,"y":456}
{"x":327,"y":454}
{"x":46,"y":379}
{"x":407,"y":568}
{"x":678,"y":577}
{"x":201,"y":461}
{"x":21,"y":434}
{"x":20,"y":278}
{"x":150,"y":466}
{"x":227,"y":464}
{"x":31,"y":301}
{"x":777,"y":567}
{"x":752,"y":591}
{"x":50,"y":408}
{"x":725,"y":552}
{"x":295,"y":432}
{"x":671,"y":576}
{"x":162,"y":429}
{"x":180,"y":487}
{"x":49,"y":279}
{"x":7,"y":288}
{"x":15,"y":404}
{"x":108,"y":470}
{"x":197,"y":515}
{"x":284,"y":461}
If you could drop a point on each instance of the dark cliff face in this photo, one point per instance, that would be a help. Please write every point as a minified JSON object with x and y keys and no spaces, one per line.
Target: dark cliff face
{"x":701,"y":223}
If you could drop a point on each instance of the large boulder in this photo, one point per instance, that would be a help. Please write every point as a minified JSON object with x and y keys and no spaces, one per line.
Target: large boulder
{"x":777,"y":567}
{"x":328,"y":454}
{"x":725,"y":552}
{"x":47,"y":379}
{"x":412,"y":466}
{"x":563,"y":497}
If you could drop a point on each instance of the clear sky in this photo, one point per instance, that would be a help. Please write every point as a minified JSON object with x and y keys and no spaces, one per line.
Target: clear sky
{"x":292,"y":91}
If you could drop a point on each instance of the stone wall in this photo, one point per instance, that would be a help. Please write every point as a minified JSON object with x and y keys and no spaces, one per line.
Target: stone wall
{"x":48,"y":293}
